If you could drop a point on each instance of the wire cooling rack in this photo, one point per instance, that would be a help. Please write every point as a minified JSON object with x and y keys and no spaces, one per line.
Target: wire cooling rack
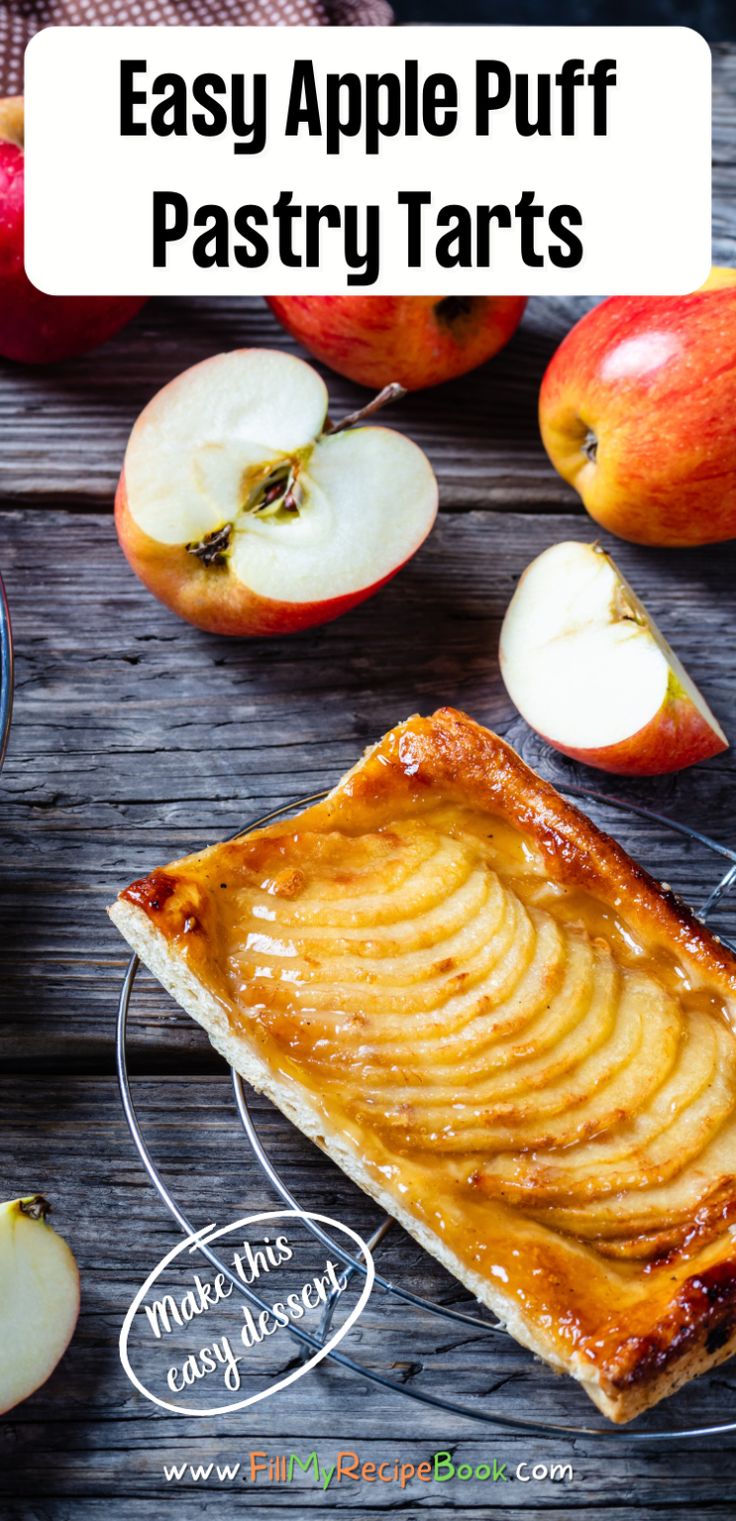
{"x":352,"y":1265}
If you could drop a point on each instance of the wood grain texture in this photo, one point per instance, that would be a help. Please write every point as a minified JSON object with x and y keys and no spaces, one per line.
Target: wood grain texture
{"x":136,"y":738}
{"x":63,"y":430}
{"x":88,"y":1435}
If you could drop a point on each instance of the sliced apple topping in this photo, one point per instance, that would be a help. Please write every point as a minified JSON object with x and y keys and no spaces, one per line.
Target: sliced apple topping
{"x":589,"y":670}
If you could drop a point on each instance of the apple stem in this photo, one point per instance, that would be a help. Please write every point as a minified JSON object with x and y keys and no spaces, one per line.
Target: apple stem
{"x":392,"y":392}
{"x":36,"y":1208}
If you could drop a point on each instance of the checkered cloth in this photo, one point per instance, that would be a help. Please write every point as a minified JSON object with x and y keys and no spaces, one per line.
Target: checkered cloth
{"x":19,"y":19}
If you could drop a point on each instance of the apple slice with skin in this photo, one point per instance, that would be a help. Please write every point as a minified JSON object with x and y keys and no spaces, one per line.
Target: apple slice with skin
{"x":246,"y":512}
{"x":39,"y":1302}
{"x":589,"y":670}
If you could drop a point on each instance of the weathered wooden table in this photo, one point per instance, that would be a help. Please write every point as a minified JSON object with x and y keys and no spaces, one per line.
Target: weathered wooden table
{"x":137,"y":738}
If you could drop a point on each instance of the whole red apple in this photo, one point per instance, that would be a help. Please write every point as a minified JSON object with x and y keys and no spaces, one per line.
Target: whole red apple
{"x":36,"y":328}
{"x":417,"y":340}
{"x":637,"y":412}
{"x":244,"y":511}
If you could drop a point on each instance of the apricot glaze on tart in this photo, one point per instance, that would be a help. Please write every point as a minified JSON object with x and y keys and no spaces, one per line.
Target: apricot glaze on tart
{"x":501,"y":1027}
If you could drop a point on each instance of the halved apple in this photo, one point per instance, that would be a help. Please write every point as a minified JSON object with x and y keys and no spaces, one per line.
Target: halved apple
{"x":589,"y":670}
{"x":39,"y":1298}
{"x":245,"y":511}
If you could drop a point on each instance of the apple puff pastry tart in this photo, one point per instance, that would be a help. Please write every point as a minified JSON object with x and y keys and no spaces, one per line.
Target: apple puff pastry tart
{"x":500,"y":1027}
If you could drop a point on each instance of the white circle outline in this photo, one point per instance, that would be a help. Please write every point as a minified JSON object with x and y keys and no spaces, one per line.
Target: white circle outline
{"x":205,"y":1236}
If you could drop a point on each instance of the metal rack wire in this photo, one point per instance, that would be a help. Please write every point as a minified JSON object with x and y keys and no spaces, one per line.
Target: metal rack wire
{"x":352,"y":1265}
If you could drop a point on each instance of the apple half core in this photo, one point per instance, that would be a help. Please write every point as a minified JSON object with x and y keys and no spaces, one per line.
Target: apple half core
{"x":236,"y":447}
{"x":581,"y":658}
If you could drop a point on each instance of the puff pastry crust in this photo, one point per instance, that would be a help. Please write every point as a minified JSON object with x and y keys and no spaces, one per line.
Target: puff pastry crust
{"x":500,"y":1027}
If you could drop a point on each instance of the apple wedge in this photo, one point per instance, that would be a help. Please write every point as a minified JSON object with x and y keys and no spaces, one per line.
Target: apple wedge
{"x":39,"y":1304}
{"x":246,"y":512}
{"x":589,"y":670}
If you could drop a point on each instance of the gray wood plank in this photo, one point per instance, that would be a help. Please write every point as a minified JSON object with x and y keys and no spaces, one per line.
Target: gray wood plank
{"x":137,"y":738}
{"x":63,"y":430}
{"x":88,"y":1434}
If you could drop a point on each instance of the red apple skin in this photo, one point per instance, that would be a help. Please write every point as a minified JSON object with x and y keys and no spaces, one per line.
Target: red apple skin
{"x":677,"y":736}
{"x":213,"y":599}
{"x":653,"y":379}
{"x":413,"y":339}
{"x":36,"y":328}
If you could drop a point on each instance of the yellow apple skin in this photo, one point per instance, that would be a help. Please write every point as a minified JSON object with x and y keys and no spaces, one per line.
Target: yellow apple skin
{"x":211,"y":597}
{"x":649,"y":383}
{"x":677,"y":736}
{"x":418,"y":340}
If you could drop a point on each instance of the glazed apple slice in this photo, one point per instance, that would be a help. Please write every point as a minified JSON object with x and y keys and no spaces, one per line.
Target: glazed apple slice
{"x":589,"y":670}
{"x":39,"y":1303}
{"x":243,"y":510}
